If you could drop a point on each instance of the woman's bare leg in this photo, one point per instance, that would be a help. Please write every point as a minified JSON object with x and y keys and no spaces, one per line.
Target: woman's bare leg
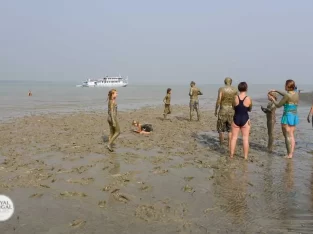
{"x":287,"y":135}
{"x":245,"y":130}
{"x":234,"y":136}
{"x":292,"y":139}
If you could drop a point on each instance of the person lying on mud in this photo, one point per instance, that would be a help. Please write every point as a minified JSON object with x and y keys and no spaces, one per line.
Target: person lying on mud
{"x":310,"y":113}
{"x":142,"y":128}
{"x":271,"y":120}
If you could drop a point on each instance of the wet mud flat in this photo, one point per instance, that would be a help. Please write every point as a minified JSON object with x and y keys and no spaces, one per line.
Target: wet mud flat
{"x":62,"y":179}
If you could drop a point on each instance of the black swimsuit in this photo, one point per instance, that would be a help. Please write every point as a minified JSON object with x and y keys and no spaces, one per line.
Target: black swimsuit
{"x":241,"y":116}
{"x":147,"y":127}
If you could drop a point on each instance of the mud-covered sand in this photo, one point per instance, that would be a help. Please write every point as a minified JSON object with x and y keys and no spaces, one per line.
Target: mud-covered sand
{"x":62,"y":179}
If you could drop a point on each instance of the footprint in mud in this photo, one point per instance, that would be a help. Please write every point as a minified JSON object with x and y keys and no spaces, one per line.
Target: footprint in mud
{"x":82,"y":181}
{"x":77,"y":223}
{"x":119,"y":196}
{"x":188,"y":178}
{"x":37,"y":195}
{"x":145,"y":188}
{"x":102,"y":204}
{"x":152,"y":213}
{"x":107,"y":188}
{"x":159,"y":171}
{"x":73,"y":194}
{"x":188,"y":189}
{"x":81,"y":169}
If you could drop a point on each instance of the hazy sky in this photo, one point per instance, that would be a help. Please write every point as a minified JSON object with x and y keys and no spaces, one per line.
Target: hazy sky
{"x":157,"y":41}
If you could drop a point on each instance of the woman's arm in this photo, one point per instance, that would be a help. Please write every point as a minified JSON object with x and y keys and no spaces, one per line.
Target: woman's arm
{"x":250,"y":106}
{"x":279,"y":92}
{"x":282,"y":101}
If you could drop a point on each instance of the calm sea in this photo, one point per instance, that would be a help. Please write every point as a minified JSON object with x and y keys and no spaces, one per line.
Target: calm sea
{"x":64,"y":97}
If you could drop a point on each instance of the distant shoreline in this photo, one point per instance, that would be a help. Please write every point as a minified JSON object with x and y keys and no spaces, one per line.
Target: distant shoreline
{"x":307,"y":97}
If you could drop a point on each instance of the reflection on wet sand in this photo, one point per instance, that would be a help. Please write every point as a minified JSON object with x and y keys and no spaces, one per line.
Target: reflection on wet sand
{"x":230,"y":189}
{"x":289,"y":176}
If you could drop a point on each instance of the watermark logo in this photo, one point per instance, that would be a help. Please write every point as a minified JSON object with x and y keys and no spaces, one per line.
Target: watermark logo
{"x":6,"y":208}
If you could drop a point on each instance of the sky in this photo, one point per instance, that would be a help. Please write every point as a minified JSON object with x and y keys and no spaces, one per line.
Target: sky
{"x":260,"y":42}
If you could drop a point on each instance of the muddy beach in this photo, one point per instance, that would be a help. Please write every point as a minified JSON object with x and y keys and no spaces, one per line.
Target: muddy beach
{"x":62,"y":179}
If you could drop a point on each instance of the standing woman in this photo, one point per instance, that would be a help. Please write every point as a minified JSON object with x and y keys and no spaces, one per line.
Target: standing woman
{"x":167,"y":103}
{"x":112,"y":118}
{"x":242,"y":105}
{"x":290,"y":116}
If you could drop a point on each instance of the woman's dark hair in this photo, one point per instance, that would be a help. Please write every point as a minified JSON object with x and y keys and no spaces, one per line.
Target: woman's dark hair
{"x":168,"y":90}
{"x":242,"y":87}
{"x":290,"y":85}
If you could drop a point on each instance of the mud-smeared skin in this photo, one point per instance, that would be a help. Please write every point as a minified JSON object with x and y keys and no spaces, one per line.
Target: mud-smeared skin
{"x":224,"y":109}
{"x":194,"y":93}
{"x":173,"y":181}
{"x":288,"y":97}
{"x":167,"y":105}
{"x":270,"y":111}
{"x":113,"y":123}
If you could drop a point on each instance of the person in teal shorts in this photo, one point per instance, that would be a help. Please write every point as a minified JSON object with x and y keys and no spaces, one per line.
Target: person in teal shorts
{"x":290,"y":118}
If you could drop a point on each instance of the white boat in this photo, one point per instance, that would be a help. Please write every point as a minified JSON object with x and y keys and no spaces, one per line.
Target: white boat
{"x":108,"y":81}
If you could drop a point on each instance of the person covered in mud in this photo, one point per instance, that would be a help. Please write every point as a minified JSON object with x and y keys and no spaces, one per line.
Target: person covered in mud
{"x":142,"y":128}
{"x":224,"y":110}
{"x":194,"y":92}
{"x":290,"y":118}
{"x":112,"y":118}
{"x":270,"y":111}
{"x":242,"y":104}
{"x":167,"y":103}
{"x":310,"y":113}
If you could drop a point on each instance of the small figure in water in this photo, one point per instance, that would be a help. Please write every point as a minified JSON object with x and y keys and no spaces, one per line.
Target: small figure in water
{"x":194,"y":92}
{"x":112,"y":118}
{"x":30,"y":93}
{"x":310,"y":113}
{"x":167,"y":103}
{"x":142,"y":128}
{"x":224,"y":110}
{"x":271,"y":120}
{"x":290,"y":116}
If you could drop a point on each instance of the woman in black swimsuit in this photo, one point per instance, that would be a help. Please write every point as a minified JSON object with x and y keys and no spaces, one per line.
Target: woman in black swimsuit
{"x":242,"y":105}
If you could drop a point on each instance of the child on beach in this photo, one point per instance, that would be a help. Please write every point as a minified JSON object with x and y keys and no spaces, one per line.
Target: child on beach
{"x":167,"y":103}
{"x":271,"y":120}
{"x":142,"y":128}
